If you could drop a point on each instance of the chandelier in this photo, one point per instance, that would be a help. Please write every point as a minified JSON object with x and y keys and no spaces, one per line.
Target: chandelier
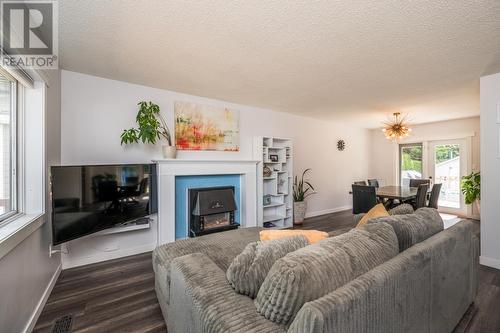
{"x":397,"y":128}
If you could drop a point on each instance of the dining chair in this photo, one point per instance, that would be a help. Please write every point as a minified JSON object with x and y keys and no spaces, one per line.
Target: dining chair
{"x":373,"y":182}
{"x":436,"y":190}
{"x":363,"y":198}
{"x":360,"y":182}
{"x":417,"y":182}
{"x":421,"y":198}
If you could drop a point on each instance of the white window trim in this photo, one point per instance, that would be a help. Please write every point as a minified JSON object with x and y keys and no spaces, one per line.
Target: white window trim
{"x":31,"y":168}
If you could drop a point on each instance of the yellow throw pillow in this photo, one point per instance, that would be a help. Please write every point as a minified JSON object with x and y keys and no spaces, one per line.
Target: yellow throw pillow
{"x":312,"y":236}
{"x":377,"y":211}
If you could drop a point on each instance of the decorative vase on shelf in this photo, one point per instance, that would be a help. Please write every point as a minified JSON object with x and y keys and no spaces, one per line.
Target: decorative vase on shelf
{"x":169,"y":151}
{"x":299,"y":211}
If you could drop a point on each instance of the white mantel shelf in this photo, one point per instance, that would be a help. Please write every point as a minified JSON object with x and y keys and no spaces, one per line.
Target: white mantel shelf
{"x":168,"y":169}
{"x":197,"y":161}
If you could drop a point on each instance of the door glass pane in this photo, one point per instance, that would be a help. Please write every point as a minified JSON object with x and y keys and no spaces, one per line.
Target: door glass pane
{"x":447,"y":172}
{"x":410,"y":156}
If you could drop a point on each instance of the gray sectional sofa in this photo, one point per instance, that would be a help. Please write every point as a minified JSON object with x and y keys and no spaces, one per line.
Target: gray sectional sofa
{"x":397,"y":274}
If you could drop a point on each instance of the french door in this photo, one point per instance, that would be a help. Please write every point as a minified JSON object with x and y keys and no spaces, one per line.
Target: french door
{"x":444,"y":162}
{"x":448,"y":163}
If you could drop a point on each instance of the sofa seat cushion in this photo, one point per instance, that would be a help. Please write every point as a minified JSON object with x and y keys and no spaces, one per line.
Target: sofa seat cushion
{"x":220,"y":247}
{"x":203,"y":301}
{"x":249,"y":269}
{"x":413,"y":228}
{"x":316,"y":270}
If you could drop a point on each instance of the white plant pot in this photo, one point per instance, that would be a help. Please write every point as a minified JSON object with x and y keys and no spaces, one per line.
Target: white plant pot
{"x":299,"y":211}
{"x":169,"y":151}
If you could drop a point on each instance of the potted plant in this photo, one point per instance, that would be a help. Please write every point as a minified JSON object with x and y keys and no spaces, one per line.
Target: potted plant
{"x":301,"y":190}
{"x":471,"y":188}
{"x":152,"y":127}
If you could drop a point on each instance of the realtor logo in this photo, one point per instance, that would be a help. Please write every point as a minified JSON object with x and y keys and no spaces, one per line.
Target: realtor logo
{"x":29,"y":34}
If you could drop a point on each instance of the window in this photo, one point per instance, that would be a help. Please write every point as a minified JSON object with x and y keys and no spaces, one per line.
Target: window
{"x":8,"y":150}
{"x":410,"y":162}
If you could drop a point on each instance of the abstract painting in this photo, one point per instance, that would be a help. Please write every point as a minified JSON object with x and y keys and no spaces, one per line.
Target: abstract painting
{"x":200,"y":127}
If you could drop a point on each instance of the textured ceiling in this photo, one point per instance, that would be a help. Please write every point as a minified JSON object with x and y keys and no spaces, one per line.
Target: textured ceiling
{"x":339,"y":60}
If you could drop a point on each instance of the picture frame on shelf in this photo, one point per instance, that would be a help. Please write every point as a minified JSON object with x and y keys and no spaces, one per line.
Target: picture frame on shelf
{"x":273,"y":158}
{"x":266,"y":200}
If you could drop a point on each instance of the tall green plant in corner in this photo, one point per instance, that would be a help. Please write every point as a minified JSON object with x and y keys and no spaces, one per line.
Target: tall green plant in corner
{"x":471,"y":189}
{"x":151,"y":128}
{"x":301,"y":190}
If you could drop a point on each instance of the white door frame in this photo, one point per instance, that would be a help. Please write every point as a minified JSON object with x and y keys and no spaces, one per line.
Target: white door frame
{"x":467,"y":136}
{"x":465,"y":168}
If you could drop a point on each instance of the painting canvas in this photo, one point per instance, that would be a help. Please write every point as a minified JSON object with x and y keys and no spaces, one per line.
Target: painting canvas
{"x":200,"y":127}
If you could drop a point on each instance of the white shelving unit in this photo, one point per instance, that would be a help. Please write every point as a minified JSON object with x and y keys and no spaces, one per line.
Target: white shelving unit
{"x":279,"y":213}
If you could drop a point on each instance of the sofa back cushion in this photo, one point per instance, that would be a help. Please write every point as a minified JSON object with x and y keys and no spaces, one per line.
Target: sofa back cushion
{"x":316,"y":270}
{"x":249,"y":269}
{"x":413,"y":228}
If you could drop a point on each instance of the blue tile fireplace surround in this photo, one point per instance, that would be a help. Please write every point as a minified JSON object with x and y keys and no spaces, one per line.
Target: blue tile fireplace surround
{"x":182,"y":186}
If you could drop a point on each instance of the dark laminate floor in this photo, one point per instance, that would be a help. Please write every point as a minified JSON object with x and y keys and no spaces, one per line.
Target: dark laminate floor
{"x":119,"y":296}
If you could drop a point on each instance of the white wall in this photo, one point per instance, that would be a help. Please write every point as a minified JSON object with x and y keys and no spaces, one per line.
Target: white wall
{"x":27,"y":270}
{"x":96,"y":110}
{"x":384,"y":153}
{"x":490,"y":171}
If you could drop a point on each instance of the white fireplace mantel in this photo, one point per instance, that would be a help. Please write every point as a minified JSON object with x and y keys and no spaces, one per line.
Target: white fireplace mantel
{"x":168,"y":169}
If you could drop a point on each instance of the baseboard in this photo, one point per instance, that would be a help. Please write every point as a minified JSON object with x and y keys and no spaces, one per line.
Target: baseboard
{"x":41,"y":304}
{"x":490,"y":262}
{"x":68,"y":262}
{"x":328,"y":211}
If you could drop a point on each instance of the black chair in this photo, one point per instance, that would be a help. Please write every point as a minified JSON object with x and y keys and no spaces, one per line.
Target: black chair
{"x":360,"y":182}
{"x":108,"y":192}
{"x":421,"y":198}
{"x":417,"y":182}
{"x":373,"y":182}
{"x":436,"y":190}
{"x":363,"y":198}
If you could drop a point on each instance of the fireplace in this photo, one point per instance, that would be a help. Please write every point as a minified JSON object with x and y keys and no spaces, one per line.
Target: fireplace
{"x":211,"y":210}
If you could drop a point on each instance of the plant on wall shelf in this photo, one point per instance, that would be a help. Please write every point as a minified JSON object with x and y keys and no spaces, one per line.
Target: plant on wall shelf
{"x":301,"y":190}
{"x":471,"y":188}
{"x":151,"y":128}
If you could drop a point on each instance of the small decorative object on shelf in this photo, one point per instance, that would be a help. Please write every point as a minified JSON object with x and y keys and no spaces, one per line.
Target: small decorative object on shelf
{"x":269,"y":225}
{"x":301,"y":190}
{"x":341,"y":145}
{"x":152,"y":127}
{"x":273,"y":158}
{"x":267,"y":172}
{"x":266,"y":200}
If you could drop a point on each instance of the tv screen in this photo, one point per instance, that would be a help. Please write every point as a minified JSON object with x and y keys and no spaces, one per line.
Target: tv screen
{"x":87,"y":199}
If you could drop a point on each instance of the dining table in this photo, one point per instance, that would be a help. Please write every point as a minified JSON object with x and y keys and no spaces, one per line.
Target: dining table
{"x":401,"y":193}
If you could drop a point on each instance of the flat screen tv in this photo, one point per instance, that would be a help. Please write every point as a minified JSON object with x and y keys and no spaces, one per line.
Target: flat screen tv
{"x":91,"y":198}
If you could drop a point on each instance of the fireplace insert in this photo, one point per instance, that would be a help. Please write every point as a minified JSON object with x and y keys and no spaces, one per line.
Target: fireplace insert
{"x":212,"y":210}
